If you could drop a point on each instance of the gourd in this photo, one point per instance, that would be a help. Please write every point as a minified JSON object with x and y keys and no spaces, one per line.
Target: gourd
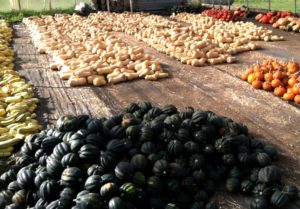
{"x":139,"y":162}
{"x":279,"y":199}
{"x":160,"y":168}
{"x":124,"y":170}
{"x":109,"y":190}
{"x":48,"y":190}
{"x":128,"y":190}
{"x":259,"y":203}
{"x":71,"y":177}
{"x":116,"y":203}
{"x":89,"y":201}
{"x":93,"y":183}
{"x":268,"y":174}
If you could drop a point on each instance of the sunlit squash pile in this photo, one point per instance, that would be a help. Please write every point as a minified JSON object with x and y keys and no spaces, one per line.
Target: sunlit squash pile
{"x":147,"y":157}
{"x":85,"y":55}
{"x":17,"y":102}
{"x":280,"y":77}
{"x":81,"y":46}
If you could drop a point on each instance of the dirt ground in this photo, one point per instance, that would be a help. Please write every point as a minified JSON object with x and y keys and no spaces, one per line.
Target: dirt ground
{"x":216,"y":88}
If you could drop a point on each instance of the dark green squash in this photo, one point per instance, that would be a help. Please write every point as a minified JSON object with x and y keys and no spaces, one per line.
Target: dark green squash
{"x":146,"y":134}
{"x":292,"y":191}
{"x":128,"y":190}
{"x":149,"y":148}
{"x":132,"y":132}
{"x":93,"y":183}
{"x":109,"y":190}
{"x":49,"y":143}
{"x":233,"y":185}
{"x":259,"y":203}
{"x":25,"y":178}
{"x":209,"y":187}
{"x":199,"y":117}
{"x":269,"y":174}
{"x":173,"y":186}
{"x":176,"y":170}
{"x":145,"y":106}
{"x":40,"y":178}
{"x":175,"y":148}
{"x":124,"y":171}
{"x":152,"y":113}
{"x":116,"y":146}
{"x":76,"y":144}
{"x":196,"y":162}
{"x":118,"y":132}
{"x":15,"y":206}
{"x":131,"y":108}
{"x":94,"y":126}
{"x":200,"y":137}
{"x":71,"y":177}
{"x":139,"y":162}
{"x":197,"y":205}
{"x":263,"y":159}
{"x":160,"y":168}
{"x":95,"y":170}
{"x":169,"y":109}
{"x":68,"y":123}
{"x":116,"y":203}
{"x":38,"y":153}
{"x":12,"y":186}
{"x":88,"y":152}
{"x":49,"y":190}
{"x":29,"y":149}
{"x":171,"y":206}
{"x":199,"y":176}
{"x":222,"y":145}
{"x":96,"y":140}
{"x":247,"y":186}
{"x":8,"y":176}
{"x":279,"y":199}
{"x":66,"y":197}
{"x":235,"y":172}
{"x":262,"y":191}
{"x":187,"y":113}
{"x":108,"y":160}
{"x":53,"y":166}
{"x":244,"y":158}
{"x":70,"y":160}
{"x":5,"y":197}
{"x":183,"y":135}
{"x":154,"y":185}
{"x":89,"y":201}
{"x":191,"y":148}
{"x":109,"y":177}
{"x":187,"y":124}
{"x":20,"y":196}
{"x":209,"y":150}
{"x":139,"y":178}
{"x":229,"y":160}
{"x":254,"y":174}
{"x":271,"y":151}
{"x":173,"y":122}
{"x":60,"y":150}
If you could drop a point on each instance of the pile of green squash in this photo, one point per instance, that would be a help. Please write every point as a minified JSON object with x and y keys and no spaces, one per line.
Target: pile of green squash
{"x":147,"y":157}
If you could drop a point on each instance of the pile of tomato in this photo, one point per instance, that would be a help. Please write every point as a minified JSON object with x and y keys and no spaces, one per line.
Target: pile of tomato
{"x":272,"y":17}
{"x":225,"y":14}
{"x":283,"y":78}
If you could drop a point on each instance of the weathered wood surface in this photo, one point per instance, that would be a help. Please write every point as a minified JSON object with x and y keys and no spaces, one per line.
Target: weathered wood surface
{"x":216,"y":88}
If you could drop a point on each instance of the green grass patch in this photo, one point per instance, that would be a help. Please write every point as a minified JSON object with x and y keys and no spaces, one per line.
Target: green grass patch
{"x":15,"y":16}
{"x":276,"y":5}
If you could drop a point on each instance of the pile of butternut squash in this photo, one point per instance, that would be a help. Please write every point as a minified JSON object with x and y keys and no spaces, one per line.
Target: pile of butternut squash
{"x":288,"y":24}
{"x":85,"y":53}
{"x":84,"y":49}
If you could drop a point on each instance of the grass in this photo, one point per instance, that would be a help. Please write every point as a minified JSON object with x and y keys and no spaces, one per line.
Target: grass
{"x":278,"y":5}
{"x":15,"y":16}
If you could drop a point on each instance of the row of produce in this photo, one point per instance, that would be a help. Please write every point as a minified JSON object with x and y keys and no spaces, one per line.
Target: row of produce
{"x":85,"y":54}
{"x":280,"y":77}
{"x":147,"y":157}
{"x":17,"y":102}
{"x":97,"y":57}
{"x":281,"y":20}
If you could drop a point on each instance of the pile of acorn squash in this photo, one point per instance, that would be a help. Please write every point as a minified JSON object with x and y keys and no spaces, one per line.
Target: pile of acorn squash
{"x":148,"y":157}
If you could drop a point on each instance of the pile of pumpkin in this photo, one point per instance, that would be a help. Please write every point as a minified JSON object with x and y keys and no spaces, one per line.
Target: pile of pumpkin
{"x":281,"y":20}
{"x":147,"y":157}
{"x":17,"y":102}
{"x":280,"y":77}
{"x":85,"y":55}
